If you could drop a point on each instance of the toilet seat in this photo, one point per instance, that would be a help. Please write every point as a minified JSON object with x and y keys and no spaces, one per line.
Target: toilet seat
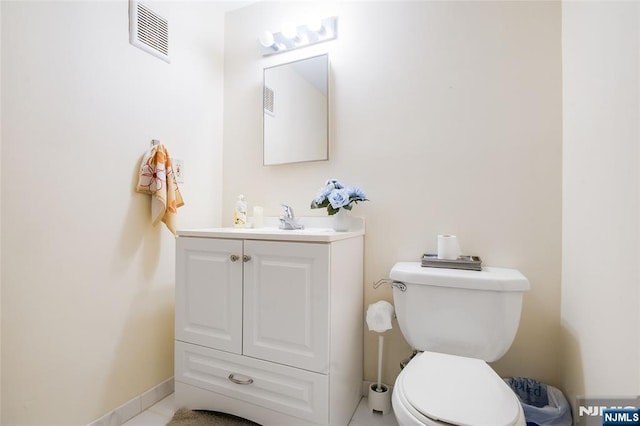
{"x":456,"y":390}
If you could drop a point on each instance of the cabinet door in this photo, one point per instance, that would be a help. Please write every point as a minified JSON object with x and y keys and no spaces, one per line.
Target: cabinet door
{"x":286,"y":303}
{"x":209,"y":293}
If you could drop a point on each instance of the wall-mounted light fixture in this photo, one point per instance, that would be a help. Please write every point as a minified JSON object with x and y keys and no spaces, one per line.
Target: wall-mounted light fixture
{"x":294,"y":37}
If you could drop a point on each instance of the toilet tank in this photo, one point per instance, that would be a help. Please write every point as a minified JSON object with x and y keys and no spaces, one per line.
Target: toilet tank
{"x":467,"y":313}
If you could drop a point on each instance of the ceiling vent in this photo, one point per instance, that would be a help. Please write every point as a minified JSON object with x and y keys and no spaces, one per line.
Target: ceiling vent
{"x":148,"y":30}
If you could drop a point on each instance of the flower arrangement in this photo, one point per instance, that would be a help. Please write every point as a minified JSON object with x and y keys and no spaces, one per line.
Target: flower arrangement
{"x":334,"y":196}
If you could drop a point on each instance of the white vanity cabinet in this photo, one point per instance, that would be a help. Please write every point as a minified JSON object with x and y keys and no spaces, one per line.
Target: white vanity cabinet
{"x":269,"y":324}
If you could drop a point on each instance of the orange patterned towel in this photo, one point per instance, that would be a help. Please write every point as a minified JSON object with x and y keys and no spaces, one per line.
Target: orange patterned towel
{"x":158,"y":179}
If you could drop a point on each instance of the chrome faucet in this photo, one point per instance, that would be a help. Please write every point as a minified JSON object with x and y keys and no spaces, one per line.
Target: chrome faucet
{"x":288,"y":220}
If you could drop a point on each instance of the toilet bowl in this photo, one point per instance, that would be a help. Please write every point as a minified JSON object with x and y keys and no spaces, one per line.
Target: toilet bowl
{"x":459,"y":320}
{"x":442,"y":390}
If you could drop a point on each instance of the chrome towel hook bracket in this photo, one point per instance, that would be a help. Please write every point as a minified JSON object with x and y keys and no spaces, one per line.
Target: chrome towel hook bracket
{"x":381,"y":282}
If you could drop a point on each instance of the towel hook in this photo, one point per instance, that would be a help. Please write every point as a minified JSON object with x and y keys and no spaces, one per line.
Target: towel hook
{"x":155,"y":142}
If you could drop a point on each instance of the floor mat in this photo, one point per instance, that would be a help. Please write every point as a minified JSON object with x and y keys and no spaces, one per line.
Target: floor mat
{"x":186,"y":417}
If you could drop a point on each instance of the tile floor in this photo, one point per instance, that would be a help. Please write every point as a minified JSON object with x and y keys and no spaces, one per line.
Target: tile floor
{"x":160,"y":414}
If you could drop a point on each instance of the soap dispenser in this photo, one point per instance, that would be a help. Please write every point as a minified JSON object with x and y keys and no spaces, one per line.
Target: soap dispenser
{"x":240,"y":212}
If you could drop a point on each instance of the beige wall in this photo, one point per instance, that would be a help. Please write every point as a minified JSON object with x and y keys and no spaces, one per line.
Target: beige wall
{"x":448,"y":114}
{"x":0,"y":215}
{"x":601,"y":94}
{"x":87,"y":282}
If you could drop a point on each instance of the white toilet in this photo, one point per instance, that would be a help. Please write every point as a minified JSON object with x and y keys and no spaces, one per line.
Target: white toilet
{"x":460,"y":320}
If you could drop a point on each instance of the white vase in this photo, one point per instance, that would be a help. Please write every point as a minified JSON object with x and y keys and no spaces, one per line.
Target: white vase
{"x":341,"y":220}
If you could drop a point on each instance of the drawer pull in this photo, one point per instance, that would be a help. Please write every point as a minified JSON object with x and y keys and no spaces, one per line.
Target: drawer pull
{"x":240,"y":382}
{"x":234,"y":257}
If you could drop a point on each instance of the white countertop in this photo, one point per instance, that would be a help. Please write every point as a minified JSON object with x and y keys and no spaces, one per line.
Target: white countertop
{"x":316,"y":229}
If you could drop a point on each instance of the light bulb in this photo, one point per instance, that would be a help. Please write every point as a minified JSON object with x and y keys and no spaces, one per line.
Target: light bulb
{"x":302,"y":40}
{"x":327,"y":33}
{"x":316,"y":26}
{"x":266,"y":39}
{"x":289,"y":31}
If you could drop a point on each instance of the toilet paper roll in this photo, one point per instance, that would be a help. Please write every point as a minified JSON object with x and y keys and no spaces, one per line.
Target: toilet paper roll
{"x":379,"y":316}
{"x":448,"y":247}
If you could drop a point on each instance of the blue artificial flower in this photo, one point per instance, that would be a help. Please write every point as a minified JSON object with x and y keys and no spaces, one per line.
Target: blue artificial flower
{"x":323,"y":193}
{"x":334,"y":183}
{"x":357,"y":194}
{"x":339,"y":198}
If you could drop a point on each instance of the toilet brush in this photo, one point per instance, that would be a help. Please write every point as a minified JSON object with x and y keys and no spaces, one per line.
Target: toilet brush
{"x":379,"y":399}
{"x":380,"y":347}
{"x":379,"y":316}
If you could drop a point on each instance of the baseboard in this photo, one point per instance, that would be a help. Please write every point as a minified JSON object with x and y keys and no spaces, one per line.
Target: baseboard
{"x":145,"y":400}
{"x":135,"y":406}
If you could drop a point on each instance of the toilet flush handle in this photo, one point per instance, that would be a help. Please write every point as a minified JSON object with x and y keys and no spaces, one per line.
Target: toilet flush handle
{"x":399,"y":285}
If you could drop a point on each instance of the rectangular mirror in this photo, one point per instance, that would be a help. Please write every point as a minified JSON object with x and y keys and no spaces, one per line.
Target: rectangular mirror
{"x":296,"y":111}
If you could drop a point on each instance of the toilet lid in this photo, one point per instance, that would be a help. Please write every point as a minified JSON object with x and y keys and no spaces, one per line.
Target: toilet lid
{"x":458,"y":390}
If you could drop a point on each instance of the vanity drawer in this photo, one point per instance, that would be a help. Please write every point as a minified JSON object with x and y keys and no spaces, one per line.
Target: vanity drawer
{"x":289,"y":390}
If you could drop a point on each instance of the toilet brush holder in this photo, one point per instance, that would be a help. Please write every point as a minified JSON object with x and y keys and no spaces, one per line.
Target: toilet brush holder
{"x":379,"y":398}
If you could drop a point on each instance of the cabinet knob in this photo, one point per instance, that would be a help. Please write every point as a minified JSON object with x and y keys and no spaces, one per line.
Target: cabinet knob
{"x":234,"y":257}
{"x":246,"y":258}
{"x":240,"y":382}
